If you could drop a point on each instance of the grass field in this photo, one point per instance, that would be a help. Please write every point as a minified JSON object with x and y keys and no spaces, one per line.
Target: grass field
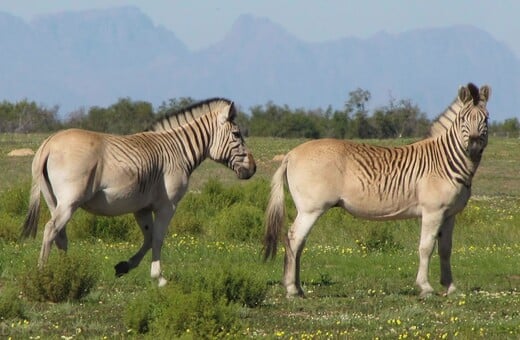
{"x":354,"y":291}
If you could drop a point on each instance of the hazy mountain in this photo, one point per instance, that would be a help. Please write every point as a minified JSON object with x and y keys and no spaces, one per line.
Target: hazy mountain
{"x":88,"y":58}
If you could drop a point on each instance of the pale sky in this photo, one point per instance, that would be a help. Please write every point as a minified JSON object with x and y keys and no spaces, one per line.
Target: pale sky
{"x":201,"y":23}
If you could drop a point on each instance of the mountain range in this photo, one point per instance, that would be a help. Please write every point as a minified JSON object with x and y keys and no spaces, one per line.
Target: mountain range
{"x":92,"y":58}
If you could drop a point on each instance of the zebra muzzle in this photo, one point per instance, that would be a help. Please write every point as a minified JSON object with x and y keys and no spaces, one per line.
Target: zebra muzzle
{"x":247,"y":169}
{"x":475,"y":149}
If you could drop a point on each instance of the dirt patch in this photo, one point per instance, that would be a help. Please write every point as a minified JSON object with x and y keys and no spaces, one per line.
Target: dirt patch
{"x":20,"y":152}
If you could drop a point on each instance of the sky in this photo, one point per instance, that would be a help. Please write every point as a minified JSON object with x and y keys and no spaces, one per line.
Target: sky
{"x":201,"y":23}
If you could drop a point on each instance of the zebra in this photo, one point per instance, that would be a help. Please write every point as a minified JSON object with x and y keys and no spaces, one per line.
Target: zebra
{"x":146,"y":174}
{"x":430,"y":179}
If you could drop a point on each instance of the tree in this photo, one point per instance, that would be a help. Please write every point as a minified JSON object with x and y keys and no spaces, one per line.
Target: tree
{"x":512,"y":127}
{"x":357,"y":104}
{"x":174,"y":105}
{"x":340,"y":124}
{"x":124,"y":117}
{"x":400,"y":119}
{"x":27,"y":116}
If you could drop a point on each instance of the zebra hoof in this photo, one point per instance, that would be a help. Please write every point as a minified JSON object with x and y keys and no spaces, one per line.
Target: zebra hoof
{"x":122,"y":268}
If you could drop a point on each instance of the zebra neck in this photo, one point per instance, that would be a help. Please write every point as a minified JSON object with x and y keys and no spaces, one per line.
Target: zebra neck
{"x":192,"y":146}
{"x":459,"y":166}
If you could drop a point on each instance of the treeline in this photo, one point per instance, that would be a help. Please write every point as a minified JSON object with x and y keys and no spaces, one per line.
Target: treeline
{"x":399,"y":118}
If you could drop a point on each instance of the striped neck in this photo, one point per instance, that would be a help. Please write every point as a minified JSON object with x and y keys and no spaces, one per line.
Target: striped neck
{"x":192,"y":142}
{"x":460,"y":167}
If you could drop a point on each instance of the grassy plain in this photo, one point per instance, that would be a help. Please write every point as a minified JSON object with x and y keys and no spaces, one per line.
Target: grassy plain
{"x":356,"y":289}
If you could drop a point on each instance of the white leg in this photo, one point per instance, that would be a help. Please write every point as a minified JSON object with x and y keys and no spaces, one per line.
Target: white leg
{"x":294,"y":245}
{"x":430,"y":227}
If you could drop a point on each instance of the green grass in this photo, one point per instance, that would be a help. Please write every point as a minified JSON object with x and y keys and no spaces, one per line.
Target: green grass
{"x":352,"y":292}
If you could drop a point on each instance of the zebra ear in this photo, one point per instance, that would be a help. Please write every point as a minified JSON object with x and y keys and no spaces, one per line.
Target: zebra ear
{"x":485,"y":93}
{"x":464,"y":94}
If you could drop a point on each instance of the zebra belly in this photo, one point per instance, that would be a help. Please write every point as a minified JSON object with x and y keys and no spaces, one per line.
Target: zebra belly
{"x":381,"y":210}
{"x":103,"y":203}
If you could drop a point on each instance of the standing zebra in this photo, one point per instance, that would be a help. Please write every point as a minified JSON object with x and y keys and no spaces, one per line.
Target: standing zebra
{"x":145,"y":174}
{"x":430,"y":179}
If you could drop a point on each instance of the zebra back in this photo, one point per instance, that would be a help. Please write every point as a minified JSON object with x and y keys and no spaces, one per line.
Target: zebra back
{"x":446,"y":119}
{"x":174,"y":119}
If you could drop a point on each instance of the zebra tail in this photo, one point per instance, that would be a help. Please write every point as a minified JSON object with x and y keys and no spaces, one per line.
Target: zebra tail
{"x":275,"y":213}
{"x":30,"y":225}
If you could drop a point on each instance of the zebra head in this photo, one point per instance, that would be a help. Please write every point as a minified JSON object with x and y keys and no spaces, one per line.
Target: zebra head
{"x":473,"y":119}
{"x":228,"y":146}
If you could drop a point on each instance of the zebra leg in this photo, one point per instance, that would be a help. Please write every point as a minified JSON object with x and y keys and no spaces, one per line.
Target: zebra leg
{"x":54,"y":227}
{"x":445,"y":244}
{"x":61,"y":240}
{"x":294,"y":245}
{"x":145,"y":220}
{"x":429,"y":230}
{"x":162,"y":219}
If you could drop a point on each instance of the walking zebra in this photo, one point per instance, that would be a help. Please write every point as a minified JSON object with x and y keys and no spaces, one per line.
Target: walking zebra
{"x":145,"y":174}
{"x":430,"y":179}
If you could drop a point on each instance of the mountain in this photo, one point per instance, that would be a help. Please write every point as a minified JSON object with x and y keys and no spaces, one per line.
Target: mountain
{"x":88,"y":58}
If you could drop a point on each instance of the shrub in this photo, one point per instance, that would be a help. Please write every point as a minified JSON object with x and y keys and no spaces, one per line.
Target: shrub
{"x":15,"y":201}
{"x":191,"y":215}
{"x":170,"y":311}
{"x":236,"y":285}
{"x":197,"y":314}
{"x":204,"y":304}
{"x":233,"y":212}
{"x":13,"y":207}
{"x":219,"y":196}
{"x":380,"y":239}
{"x":240,"y":222}
{"x":84,"y":225}
{"x":11,"y":305}
{"x":64,"y":277}
{"x":9,"y":228}
{"x":139,"y":313}
{"x":240,"y":286}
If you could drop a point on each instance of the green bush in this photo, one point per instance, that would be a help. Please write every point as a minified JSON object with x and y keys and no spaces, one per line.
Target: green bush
{"x":139,"y":314}
{"x":227,"y":212}
{"x":15,"y":201}
{"x":236,"y":285}
{"x":170,"y":311}
{"x":13,"y":207}
{"x":64,"y":277}
{"x":84,"y":225}
{"x":380,"y":239}
{"x":197,"y":314}
{"x":191,"y":215}
{"x":219,"y":196}
{"x":240,"y":222}
{"x":240,"y":286}
{"x":9,"y":228}
{"x":206,"y":304}
{"x":11,"y":305}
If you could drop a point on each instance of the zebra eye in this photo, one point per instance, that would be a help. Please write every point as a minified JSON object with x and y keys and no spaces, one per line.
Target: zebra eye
{"x":236,"y":134}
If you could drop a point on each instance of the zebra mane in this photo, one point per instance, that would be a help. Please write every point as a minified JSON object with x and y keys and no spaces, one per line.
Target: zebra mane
{"x":174,"y":118}
{"x":445,"y":120}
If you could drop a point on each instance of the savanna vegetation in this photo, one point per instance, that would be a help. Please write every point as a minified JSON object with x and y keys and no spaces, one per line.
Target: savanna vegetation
{"x":398,"y":119}
{"x":358,"y":275}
